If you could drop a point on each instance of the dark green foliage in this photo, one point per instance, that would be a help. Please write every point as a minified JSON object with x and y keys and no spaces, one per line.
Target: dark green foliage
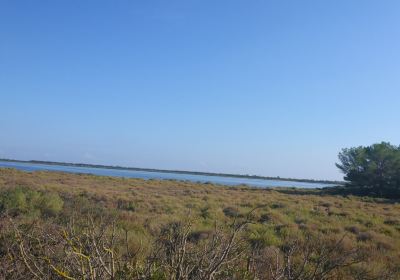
{"x":277,"y":205}
{"x":372,"y":170}
{"x":231,"y":212}
{"x":205,"y":212}
{"x":126,"y":205}
{"x":264,"y":218}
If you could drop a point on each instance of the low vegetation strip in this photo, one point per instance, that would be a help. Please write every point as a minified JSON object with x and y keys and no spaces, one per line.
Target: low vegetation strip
{"x":78,"y":226}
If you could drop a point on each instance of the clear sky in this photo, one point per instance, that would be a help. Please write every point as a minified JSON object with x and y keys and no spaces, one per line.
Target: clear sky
{"x":273,"y":88}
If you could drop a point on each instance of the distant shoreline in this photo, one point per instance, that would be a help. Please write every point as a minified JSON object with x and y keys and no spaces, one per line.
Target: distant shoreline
{"x":171,"y":171}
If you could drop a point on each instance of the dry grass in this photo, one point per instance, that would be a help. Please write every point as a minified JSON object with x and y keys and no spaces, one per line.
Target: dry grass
{"x":144,"y":206}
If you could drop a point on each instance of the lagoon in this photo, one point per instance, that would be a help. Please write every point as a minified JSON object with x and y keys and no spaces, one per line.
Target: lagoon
{"x":221,"y":180}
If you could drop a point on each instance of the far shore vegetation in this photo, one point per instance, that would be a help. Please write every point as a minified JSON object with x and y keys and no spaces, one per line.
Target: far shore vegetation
{"x":174,"y":171}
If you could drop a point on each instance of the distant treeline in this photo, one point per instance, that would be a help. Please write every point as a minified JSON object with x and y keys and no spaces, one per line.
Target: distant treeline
{"x":174,"y":171}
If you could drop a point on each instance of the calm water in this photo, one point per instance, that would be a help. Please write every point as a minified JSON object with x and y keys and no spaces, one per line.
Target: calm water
{"x":231,"y":181}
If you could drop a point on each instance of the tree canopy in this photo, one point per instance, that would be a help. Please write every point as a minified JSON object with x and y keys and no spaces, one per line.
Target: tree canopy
{"x":375,"y":169}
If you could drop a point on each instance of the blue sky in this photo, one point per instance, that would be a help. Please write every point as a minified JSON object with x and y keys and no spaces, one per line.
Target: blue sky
{"x":273,"y":88}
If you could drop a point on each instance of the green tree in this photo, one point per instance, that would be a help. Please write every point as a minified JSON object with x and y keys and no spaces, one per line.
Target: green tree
{"x":375,"y":169}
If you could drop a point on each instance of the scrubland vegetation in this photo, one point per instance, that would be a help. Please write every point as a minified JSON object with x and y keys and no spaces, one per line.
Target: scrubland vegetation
{"x":71,"y":226}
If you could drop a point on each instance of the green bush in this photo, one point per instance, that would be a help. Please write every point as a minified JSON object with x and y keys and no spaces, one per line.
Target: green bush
{"x":24,"y":201}
{"x":205,"y":212}
{"x":51,"y":204}
{"x":261,"y":237}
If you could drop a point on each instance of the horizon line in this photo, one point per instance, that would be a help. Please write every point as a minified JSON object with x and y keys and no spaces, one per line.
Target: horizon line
{"x":91,"y":165}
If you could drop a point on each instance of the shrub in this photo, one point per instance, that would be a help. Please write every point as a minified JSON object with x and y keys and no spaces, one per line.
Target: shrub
{"x":263,"y":237}
{"x":303,"y":227}
{"x":205,"y":212}
{"x":278,"y":205}
{"x":364,"y":236}
{"x":299,"y":220}
{"x":51,"y":204}
{"x":231,"y":212}
{"x":392,"y":222}
{"x":126,"y":205}
{"x":197,"y":236}
{"x":384,"y":246}
{"x":325,"y":204}
{"x":264,"y":218}
{"x":353,"y":229}
{"x":14,"y":201}
{"x":24,"y":201}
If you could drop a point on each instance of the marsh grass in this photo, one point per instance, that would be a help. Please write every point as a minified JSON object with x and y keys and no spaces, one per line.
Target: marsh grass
{"x":142,"y":208}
